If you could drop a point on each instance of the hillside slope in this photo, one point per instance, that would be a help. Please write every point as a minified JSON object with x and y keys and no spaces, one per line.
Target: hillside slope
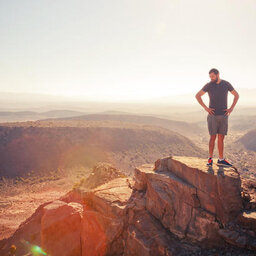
{"x":43,"y":146}
{"x":249,"y":140}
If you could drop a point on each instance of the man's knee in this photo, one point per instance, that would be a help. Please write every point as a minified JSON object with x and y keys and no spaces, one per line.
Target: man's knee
{"x":221,"y":136}
{"x":213,"y":137}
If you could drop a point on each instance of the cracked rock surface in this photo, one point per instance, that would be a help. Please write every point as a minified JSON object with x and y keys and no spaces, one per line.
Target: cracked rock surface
{"x":174,"y":206}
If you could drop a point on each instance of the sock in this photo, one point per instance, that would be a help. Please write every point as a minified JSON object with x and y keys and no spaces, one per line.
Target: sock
{"x":221,"y":159}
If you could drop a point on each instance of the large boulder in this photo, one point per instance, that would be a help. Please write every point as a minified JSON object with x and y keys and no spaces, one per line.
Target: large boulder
{"x":105,"y":217}
{"x":61,"y":228}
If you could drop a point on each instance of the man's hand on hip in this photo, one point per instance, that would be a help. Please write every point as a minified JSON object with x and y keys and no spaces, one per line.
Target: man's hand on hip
{"x":228,"y":111}
{"x":210,"y":110}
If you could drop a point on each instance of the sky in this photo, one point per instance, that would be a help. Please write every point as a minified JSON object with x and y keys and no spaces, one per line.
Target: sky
{"x":125,"y":49}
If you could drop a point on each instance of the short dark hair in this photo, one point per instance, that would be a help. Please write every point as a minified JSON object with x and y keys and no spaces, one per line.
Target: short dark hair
{"x":214,"y":70}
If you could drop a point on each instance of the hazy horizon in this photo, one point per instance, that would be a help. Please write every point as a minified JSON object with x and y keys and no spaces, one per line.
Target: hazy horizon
{"x":125,"y":50}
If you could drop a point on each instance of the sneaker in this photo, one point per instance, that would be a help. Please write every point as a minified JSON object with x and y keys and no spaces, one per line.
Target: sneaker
{"x":210,"y":161}
{"x":224,"y":163}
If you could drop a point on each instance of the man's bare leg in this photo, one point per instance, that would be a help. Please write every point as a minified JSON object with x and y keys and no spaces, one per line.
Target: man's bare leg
{"x":221,"y":145}
{"x":211,"y":144}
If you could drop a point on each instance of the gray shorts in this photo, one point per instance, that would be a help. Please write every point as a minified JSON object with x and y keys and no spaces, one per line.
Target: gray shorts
{"x":217,"y":124}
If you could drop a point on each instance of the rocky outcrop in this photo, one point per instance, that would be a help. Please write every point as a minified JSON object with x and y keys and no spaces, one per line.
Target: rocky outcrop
{"x":175,"y":206}
{"x":195,"y":202}
{"x":102,"y":173}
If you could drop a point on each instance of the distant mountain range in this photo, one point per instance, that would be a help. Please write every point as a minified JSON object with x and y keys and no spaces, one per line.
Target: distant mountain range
{"x":18,"y":107}
{"x":183,"y":128}
{"x":24,"y":100}
{"x":16,"y":116}
{"x":247,"y":98}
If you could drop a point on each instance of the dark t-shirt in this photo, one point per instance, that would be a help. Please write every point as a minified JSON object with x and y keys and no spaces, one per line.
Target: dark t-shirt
{"x":218,"y":94}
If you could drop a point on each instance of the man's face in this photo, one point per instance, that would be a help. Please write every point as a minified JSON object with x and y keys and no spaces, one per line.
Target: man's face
{"x":214,"y":78}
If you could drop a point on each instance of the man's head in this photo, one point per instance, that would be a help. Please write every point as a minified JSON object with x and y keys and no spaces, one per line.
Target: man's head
{"x":214,"y":75}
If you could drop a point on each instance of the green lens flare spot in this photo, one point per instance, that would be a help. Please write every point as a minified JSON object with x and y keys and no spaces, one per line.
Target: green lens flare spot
{"x":36,"y":250}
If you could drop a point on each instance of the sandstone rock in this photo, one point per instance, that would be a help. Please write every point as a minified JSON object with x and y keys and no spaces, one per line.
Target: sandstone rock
{"x":180,"y":206}
{"x":146,"y":236}
{"x":248,"y":219}
{"x":61,"y":228}
{"x":238,"y":237}
{"x":218,"y":189}
{"x":101,"y":174}
{"x":175,"y":207}
{"x":104,"y":217}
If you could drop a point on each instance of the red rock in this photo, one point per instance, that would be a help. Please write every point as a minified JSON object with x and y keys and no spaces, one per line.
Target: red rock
{"x":248,"y":219}
{"x":218,"y":194}
{"x":104,"y":217}
{"x":175,"y":207}
{"x":61,"y":228}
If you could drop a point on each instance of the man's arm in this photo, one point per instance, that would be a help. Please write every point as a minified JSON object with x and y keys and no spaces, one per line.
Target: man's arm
{"x":236,"y":97}
{"x":199,"y":99}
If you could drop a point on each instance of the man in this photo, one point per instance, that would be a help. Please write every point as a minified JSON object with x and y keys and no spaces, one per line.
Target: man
{"x":218,"y":113}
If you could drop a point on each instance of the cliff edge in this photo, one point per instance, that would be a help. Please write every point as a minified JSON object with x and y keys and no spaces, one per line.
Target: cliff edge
{"x":175,"y":206}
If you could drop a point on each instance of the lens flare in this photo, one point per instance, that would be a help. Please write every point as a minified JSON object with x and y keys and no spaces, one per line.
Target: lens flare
{"x":33,"y":248}
{"x":36,"y":250}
